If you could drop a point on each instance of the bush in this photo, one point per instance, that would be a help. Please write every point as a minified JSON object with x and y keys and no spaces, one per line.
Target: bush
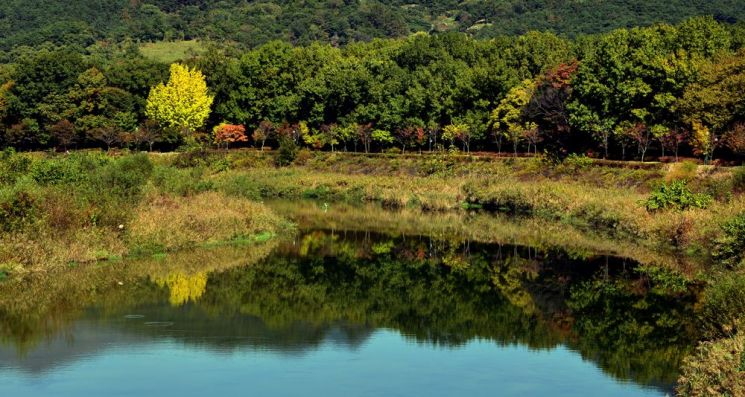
{"x":576,"y":163}
{"x":125,"y":177}
{"x":718,"y":188}
{"x":286,"y":153}
{"x":181,"y":182}
{"x":738,"y":179}
{"x":730,"y":248}
{"x":16,"y":208}
{"x":12,"y":166}
{"x":723,"y":305}
{"x":676,"y":195}
{"x":715,"y":369}
{"x":302,"y":157}
{"x":192,"y":157}
{"x":240,"y":186}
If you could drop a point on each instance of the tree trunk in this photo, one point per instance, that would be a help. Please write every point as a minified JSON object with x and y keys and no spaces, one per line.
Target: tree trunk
{"x":605,"y":145}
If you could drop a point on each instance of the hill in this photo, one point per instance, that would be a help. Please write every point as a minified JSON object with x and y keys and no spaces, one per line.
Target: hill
{"x":251,"y":23}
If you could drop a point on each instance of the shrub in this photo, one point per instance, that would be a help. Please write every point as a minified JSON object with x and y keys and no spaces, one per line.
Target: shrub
{"x":676,"y":195}
{"x":12,"y":166}
{"x":576,"y":163}
{"x":719,"y":188}
{"x":193,"y":157}
{"x":16,"y":208}
{"x":240,"y":186}
{"x":286,"y":153}
{"x":738,"y":178}
{"x":125,"y":177}
{"x":722,"y":304}
{"x":715,"y":369}
{"x":181,"y":182}
{"x":302,"y":157}
{"x":730,"y":248}
{"x":48,"y":171}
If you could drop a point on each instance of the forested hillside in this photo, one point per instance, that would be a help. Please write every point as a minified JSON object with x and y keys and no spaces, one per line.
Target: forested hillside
{"x":250,"y":23}
{"x":628,"y":93}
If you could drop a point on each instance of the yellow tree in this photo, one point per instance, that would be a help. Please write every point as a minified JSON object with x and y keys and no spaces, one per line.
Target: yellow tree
{"x":508,"y":118}
{"x":183,"y":102}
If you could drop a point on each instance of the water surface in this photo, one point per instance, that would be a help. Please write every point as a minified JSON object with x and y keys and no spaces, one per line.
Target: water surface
{"x":339,"y":312}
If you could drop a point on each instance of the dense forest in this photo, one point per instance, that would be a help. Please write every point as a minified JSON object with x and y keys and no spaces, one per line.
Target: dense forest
{"x":250,"y":23}
{"x":627,"y":93}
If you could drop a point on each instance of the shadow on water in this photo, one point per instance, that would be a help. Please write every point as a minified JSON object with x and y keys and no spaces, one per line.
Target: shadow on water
{"x":338,"y":286}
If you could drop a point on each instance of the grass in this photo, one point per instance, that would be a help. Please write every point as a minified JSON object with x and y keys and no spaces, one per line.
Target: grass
{"x":598,"y":199}
{"x":84,"y":207}
{"x":172,"y":51}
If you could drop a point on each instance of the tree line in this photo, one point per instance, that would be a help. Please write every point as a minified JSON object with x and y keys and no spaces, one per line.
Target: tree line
{"x":633,"y":93}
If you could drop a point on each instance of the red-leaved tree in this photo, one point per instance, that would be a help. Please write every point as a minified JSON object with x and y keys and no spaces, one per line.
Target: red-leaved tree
{"x":230,"y":133}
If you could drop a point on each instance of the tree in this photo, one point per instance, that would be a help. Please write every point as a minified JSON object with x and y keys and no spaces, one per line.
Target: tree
{"x":549,"y":105}
{"x":107,"y":134}
{"x":381,"y":136}
{"x":703,"y":141}
{"x":149,"y":133}
{"x":672,"y":139}
{"x":734,"y":139}
{"x":460,"y":132}
{"x":364,"y":134}
{"x":183,"y":103}
{"x":63,"y":133}
{"x":262,"y":133}
{"x":407,"y":136}
{"x":229,"y":133}
{"x":587,"y":120}
{"x":25,"y":134}
{"x":641,"y":134}
{"x":715,"y":104}
{"x":509,"y":117}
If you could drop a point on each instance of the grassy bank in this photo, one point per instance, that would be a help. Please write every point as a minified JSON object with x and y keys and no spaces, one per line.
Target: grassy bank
{"x":64,"y":210}
{"x":605,"y":199}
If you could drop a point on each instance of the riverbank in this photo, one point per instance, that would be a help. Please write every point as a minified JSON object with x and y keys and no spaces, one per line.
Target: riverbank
{"x":93,"y":206}
{"x":608,"y":199}
{"x":64,"y":210}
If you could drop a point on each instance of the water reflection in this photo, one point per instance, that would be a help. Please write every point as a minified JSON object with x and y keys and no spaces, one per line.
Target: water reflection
{"x":341,"y":290}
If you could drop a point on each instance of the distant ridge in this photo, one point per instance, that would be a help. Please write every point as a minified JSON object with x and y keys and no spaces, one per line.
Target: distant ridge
{"x":250,"y":23}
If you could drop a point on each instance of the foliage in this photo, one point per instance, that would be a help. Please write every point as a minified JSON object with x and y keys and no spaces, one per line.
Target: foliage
{"x":738,"y":178}
{"x":714,"y":369}
{"x":730,"y":247}
{"x":576,"y":162}
{"x":183,"y":103}
{"x":676,"y":195}
{"x":86,"y":21}
{"x":229,"y":133}
{"x":287,"y":152}
{"x":642,"y":87}
{"x":722,"y":302}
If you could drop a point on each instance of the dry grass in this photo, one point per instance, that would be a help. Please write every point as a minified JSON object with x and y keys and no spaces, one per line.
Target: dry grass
{"x":177,"y":222}
{"x":159,"y":223}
